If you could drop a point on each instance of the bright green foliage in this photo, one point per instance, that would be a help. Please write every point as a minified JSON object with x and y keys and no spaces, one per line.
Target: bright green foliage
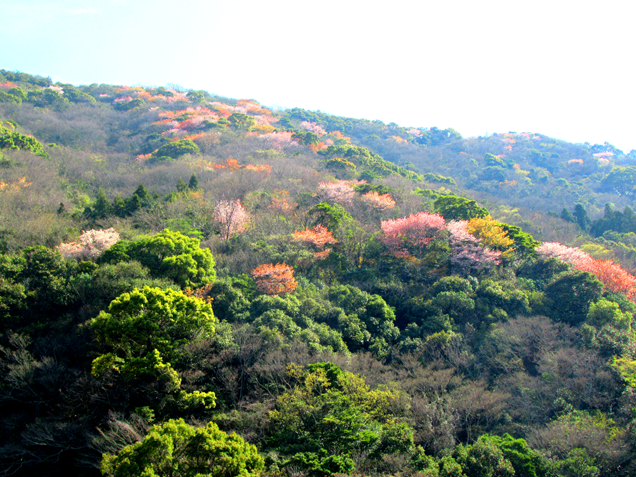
{"x":452,"y":207}
{"x":430,"y":177}
{"x":492,"y":160}
{"x":330,"y":216}
{"x":578,"y":463}
{"x":176,"y":149}
{"x":179,"y":449}
{"x":335,"y":411}
{"x":143,"y":327}
{"x":363,"y":158}
{"x":6,"y":97}
{"x":167,"y":254}
{"x":14,"y":140}
{"x":605,"y":312}
{"x":484,"y":458}
{"x":626,"y":367}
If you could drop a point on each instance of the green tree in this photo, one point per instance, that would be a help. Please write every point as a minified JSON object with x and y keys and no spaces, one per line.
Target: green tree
{"x":241,"y":121}
{"x":335,"y":413}
{"x":570,"y":294}
{"x":567,"y":216}
{"x":452,"y":207}
{"x":176,"y":149}
{"x":143,"y":328}
{"x":330,"y":216}
{"x":179,"y":449}
{"x":580,"y":214}
{"x":484,"y":458}
{"x":167,"y":254}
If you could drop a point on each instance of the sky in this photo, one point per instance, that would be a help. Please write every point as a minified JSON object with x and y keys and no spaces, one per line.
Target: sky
{"x":561,"y":68}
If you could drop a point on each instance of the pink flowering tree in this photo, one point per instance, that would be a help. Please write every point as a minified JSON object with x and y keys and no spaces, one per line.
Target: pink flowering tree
{"x":412,"y":234}
{"x":570,"y":255}
{"x":338,"y":191}
{"x":90,"y":245}
{"x":467,"y":254}
{"x":613,"y":277}
{"x":231,"y":217}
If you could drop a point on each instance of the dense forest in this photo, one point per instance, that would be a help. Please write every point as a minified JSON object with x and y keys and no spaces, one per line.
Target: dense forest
{"x":192,"y":285}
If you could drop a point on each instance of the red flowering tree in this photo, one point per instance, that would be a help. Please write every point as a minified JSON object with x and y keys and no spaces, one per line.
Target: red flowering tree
{"x":274,"y":279}
{"x":611,"y":275}
{"x":412,"y":234}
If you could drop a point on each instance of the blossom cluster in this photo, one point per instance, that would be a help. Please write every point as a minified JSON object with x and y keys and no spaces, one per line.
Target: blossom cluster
{"x":416,"y":230}
{"x":231,"y":217}
{"x":21,"y":183}
{"x":274,"y":279}
{"x":338,"y":191}
{"x":378,"y":201}
{"x":90,"y":245}
{"x":610,"y":274}
{"x":467,"y":254}
{"x":313,"y":127}
{"x":570,"y":255}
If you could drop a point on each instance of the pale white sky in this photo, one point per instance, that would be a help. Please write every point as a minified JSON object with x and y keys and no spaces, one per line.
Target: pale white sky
{"x":562,"y":68}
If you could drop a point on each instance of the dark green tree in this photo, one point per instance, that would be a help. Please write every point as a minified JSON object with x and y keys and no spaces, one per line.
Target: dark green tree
{"x":452,"y":207}
{"x":570,"y":294}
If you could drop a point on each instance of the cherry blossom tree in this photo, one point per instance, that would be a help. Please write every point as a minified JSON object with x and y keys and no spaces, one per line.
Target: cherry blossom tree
{"x":467,"y":253}
{"x":339,"y":191}
{"x":274,"y":279}
{"x":570,"y":255}
{"x":90,"y":245}
{"x":412,"y":233}
{"x":231,"y":217}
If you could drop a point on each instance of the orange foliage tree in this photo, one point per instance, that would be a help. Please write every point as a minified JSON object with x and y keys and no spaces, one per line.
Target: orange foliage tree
{"x":378,"y":201}
{"x":611,"y":275}
{"x":319,"y":237}
{"x":274,"y":279}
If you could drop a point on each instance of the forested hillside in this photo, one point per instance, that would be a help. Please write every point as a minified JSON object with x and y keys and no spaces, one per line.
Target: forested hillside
{"x":196,"y":285}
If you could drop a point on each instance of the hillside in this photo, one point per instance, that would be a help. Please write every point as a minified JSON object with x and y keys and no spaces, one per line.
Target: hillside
{"x":347,"y":296}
